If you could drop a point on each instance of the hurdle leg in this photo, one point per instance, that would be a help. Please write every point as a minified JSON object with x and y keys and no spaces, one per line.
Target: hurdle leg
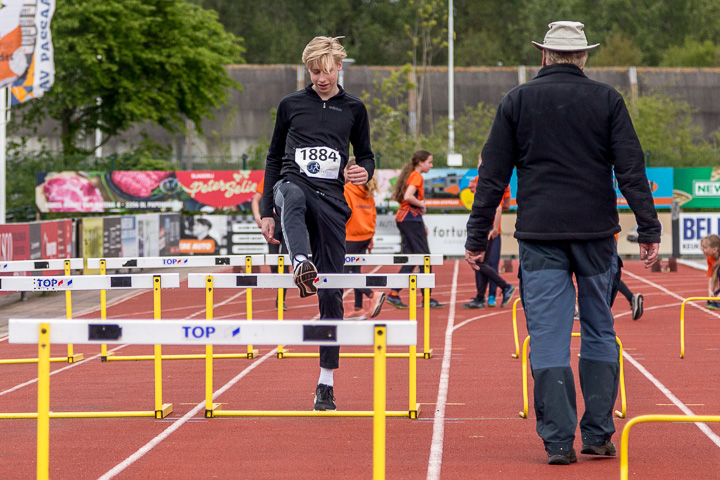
{"x":43,"y":412}
{"x":103,"y":311}
{"x":210,"y":407}
{"x":524,"y":412}
{"x":161,"y":410}
{"x":281,"y":269}
{"x":251,"y":352}
{"x":427,"y":352}
{"x":380,"y":398}
{"x":413,"y":409}
{"x":623,"y":399}
{"x":71,"y":357}
{"x":515,"y":330}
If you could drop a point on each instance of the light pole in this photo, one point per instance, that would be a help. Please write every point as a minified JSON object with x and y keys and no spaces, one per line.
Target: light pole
{"x":453,"y":159}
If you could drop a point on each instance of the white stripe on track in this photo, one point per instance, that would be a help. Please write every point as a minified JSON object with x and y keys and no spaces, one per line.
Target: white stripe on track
{"x":676,"y":401}
{"x":436,"y":446}
{"x":703,"y":427}
{"x":112,"y":473}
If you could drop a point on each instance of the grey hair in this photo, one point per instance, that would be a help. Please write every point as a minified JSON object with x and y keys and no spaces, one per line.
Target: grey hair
{"x":574,"y":58}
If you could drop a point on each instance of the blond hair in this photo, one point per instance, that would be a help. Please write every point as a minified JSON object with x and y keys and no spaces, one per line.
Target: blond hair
{"x":574,"y":58}
{"x":323,"y":53}
{"x":371,"y":187}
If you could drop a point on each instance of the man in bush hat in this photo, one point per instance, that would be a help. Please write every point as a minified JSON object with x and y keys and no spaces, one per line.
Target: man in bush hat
{"x":566,"y":134}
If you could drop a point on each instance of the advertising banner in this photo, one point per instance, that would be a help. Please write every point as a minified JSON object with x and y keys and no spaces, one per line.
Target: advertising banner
{"x":697,"y":187}
{"x":120,"y":191}
{"x":26,"y":50}
{"x":694,"y":227}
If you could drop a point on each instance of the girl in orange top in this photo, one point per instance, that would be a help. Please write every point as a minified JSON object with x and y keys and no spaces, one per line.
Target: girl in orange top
{"x":359,"y":233}
{"x":710,"y":247}
{"x":409,"y":192}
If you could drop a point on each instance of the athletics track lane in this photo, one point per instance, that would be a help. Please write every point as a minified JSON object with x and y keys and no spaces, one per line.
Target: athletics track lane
{"x":483,"y":436}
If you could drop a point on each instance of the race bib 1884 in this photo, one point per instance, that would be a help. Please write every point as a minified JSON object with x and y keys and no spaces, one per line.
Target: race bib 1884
{"x":318,"y":162}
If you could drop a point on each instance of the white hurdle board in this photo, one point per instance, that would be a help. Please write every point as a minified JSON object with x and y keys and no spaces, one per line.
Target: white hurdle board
{"x":86,"y":282}
{"x":324,"y":280}
{"x":370,"y":259}
{"x":217,"y":332}
{"x":33,"y":265}
{"x":177,"y":261}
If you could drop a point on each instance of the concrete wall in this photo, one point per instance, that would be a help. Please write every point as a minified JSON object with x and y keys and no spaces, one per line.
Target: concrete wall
{"x":247,"y":116}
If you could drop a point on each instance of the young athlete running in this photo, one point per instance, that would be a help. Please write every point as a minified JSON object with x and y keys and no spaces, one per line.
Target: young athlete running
{"x":409,"y":192}
{"x":710,"y":246}
{"x":360,"y":230}
{"x":305,"y":167}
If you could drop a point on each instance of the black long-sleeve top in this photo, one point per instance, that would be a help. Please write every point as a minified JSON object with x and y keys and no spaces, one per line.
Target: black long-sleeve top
{"x":305,"y":121}
{"x":565,"y":134}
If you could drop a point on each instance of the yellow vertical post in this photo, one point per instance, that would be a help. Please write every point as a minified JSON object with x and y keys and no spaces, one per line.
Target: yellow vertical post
{"x":379,"y":403}
{"x":68,"y":311}
{"x":209,"y":303}
{"x":157,"y":309}
{"x":43,"y":418}
{"x":412,"y":357}
{"x":248,"y":269}
{"x":427,"y":353}
{"x":103,"y":309}
{"x":281,"y":269}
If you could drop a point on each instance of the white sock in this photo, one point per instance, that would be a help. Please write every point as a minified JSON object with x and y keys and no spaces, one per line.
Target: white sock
{"x":298,"y":259}
{"x":326,"y":376}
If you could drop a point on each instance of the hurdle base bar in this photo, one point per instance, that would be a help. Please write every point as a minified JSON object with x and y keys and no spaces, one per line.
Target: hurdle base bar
{"x":210,"y":413}
{"x":198,"y":356}
{"x":311,"y":413}
{"x":104,"y":358}
{"x":9,"y":361}
{"x":426,"y":355}
{"x":74,"y":358}
{"x":352,"y":355}
{"x":166,"y":410}
{"x":110,"y":414}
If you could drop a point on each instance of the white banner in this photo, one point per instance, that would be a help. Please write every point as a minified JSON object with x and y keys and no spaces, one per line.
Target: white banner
{"x":26,"y":50}
{"x":694,"y":227}
{"x":446,"y":234}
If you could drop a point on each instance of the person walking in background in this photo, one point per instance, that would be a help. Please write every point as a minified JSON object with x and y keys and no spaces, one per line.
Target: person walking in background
{"x":488,"y":276}
{"x":710,"y":246}
{"x":409,"y":192}
{"x":273,"y":248}
{"x":305,"y":175}
{"x":359,"y":233}
{"x":566,"y":135}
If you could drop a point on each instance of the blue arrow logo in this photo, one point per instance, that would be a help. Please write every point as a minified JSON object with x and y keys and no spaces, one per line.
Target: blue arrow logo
{"x":236,"y":332}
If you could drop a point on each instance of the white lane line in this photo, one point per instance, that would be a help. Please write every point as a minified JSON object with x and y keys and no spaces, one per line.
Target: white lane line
{"x":703,"y":427}
{"x":436,"y":446}
{"x":112,"y":473}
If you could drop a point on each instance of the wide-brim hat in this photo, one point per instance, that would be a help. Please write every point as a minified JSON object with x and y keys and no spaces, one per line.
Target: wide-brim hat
{"x":565,"y":36}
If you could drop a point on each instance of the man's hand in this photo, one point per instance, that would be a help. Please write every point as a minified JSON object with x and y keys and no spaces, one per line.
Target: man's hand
{"x":649,"y":253}
{"x":357,"y":175}
{"x":268,"y":230}
{"x":473,"y":258}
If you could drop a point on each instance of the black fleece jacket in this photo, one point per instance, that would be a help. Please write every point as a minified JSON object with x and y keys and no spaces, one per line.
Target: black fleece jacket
{"x":565,"y":134}
{"x":305,"y":120}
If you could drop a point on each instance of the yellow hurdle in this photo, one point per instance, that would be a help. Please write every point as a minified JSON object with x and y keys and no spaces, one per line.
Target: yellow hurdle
{"x":619,"y":413}
{"x":682,"y":319}
{"x":654,"y":418}
{"x":515,"y":330}
{"x":379,"y":403}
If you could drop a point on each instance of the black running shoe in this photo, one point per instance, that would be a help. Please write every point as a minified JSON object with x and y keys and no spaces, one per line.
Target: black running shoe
{"x":433,"y":304}
{"x":395,"y":301}
{"x":637,"y":306}
{"x":304,"y":276}
{"x":606,"y":449}
{"x":324,"y":398}
{"x":562,"y":458}
{"x":508,"y":293}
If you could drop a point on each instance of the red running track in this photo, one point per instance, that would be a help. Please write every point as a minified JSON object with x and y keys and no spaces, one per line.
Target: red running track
{"x":470,"y":391}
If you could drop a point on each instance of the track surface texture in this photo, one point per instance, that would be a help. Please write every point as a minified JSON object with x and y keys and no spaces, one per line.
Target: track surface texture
{"x":470,"y":393}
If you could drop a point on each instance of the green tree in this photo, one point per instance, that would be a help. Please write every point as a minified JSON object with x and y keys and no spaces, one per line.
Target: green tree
{"x":665,"y":129}
{"x":617,"y":50}
{"x":123,"y":62}
{"x":692,"y":53}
